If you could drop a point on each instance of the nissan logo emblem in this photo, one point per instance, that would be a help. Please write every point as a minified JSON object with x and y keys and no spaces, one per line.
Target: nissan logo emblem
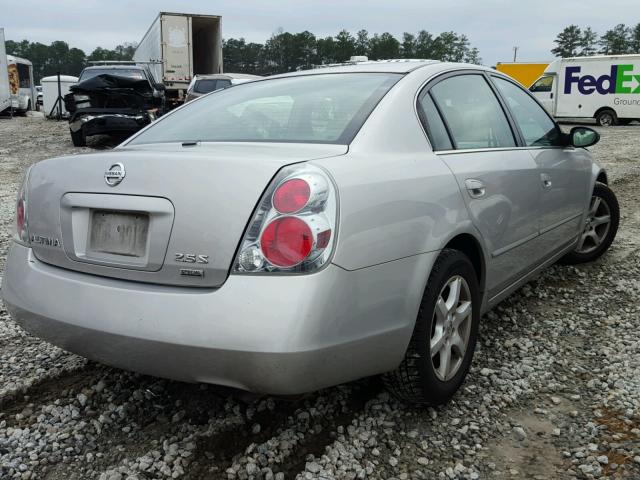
{"x":115,"y":174}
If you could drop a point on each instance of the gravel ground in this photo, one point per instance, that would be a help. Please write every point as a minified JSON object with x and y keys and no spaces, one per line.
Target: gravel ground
{"x":554,"y":391}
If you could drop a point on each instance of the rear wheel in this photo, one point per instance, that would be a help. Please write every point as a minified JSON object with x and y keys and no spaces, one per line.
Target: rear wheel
{"x":78,"y":138}
{"x":606,"y":118}
{"x":444,"y":337}
{"x":601,"y":226}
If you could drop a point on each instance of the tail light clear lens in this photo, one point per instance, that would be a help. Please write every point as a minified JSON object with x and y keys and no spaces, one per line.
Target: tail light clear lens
{"x":294,"y":227}
{"x":22,"y":224}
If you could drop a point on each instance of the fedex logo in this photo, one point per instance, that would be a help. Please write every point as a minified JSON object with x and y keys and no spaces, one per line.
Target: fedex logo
{"x":621,"y":80}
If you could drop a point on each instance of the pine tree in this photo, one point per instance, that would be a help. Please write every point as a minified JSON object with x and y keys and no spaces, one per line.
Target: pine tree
{"x":473,"y":56}
{"x":616,"y":40}
{"x":588,"y":43}
{"x":634,"y":43}
{"x":568,"y":41}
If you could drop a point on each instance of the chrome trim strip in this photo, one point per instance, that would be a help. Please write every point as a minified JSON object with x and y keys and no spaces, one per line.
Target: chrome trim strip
{"x":561,"y":222}
{"x":513,"y":245}
{"x":495,"y":149}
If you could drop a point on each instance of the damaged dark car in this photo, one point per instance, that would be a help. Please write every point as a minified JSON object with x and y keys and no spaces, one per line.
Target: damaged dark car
{"x":113,"y":100}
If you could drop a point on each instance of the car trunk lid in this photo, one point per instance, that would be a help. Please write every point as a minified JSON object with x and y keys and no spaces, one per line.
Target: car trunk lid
{"x":175,"y":217}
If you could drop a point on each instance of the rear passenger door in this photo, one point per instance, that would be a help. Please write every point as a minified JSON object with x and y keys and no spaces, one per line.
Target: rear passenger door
{"x":564,"y":171}
{"x":471,"y":132}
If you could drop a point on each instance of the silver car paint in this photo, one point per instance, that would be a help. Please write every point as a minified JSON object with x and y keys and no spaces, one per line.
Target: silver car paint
{"x":400,"y":204}
{"x":281,"y":335}
{"x":212,"y":188}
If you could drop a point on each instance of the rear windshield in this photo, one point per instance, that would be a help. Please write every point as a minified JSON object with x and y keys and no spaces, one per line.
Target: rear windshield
{"x":325,"y":108}
{"x":120,"y":72}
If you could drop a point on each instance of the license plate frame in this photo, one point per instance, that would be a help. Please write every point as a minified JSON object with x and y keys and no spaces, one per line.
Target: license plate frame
{"x":118,"y":233}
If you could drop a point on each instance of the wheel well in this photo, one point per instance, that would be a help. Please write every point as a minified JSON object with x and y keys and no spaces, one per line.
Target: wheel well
{"x":468,"y":245}
{"x":602,"y":178}
{"x":602,"y":109}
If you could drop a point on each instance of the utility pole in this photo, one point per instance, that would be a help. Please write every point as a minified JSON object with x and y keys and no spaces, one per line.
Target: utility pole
{"x":515,"y":53}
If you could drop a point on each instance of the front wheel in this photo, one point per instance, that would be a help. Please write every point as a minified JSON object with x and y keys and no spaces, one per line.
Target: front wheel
{"x":607,"y":118}
{"x":600,"y":227}
{"x":444,"y":337}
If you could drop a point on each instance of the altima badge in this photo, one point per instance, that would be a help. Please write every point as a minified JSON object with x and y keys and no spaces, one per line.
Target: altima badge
{"x":115,"y":174}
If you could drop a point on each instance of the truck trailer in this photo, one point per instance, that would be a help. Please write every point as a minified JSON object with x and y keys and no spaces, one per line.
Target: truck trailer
{"x":603,"y":87}
{"x":178,"y":46}
{"x":5,"y":91}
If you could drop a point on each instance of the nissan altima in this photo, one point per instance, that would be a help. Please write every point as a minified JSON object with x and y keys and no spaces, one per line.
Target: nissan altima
{"x":309,"y":229}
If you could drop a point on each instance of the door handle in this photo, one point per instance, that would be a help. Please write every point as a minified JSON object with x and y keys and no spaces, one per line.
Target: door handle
{"x":545,"y":178}
{"x":475,"y":188}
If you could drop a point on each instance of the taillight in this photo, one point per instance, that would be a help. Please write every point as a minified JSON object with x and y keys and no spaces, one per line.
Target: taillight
{"x":291,"y":196}
{"x":293,"y":229}
{"x":286,"y":241}
{"x":22,"y":230}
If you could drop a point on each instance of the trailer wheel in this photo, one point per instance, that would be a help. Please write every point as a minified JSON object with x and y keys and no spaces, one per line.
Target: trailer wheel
{"x":606,"y":118}
{"x":78,"y":138}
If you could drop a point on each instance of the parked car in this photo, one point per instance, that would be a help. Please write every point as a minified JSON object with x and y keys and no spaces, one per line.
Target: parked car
{"x":602,"y":87}
{"x":309,"y":229}
{"x":113,"y":99}
{"x":203,"y":84}
{"x":39,"y":95}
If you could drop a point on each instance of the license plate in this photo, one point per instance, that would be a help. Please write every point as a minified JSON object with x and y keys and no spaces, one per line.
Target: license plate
{"x":119,"y":233}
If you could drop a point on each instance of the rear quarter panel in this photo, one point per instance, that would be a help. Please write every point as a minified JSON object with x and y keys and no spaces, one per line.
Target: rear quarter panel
{"x":397,"y":198}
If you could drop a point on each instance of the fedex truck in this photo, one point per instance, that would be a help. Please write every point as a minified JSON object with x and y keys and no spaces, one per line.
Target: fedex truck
{"x":605,"y":88}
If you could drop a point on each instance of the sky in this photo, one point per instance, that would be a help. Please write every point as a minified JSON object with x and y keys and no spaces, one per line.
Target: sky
{"x":493,"y":26}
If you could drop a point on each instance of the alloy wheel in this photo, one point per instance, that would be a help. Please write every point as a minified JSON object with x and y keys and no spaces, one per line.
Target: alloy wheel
{"x":596,"y":226}
{"x":451,"y":327}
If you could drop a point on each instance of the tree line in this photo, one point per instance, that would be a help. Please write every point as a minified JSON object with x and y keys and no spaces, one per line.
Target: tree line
{"x":282,"y":52}
{"x":286,"y":52}
{"x":59,"y":57}
{"x":574,"y":41}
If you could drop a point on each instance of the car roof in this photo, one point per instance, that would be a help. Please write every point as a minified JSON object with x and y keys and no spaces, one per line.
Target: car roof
{"x":401,"y":65}
{"x":118,"y":67}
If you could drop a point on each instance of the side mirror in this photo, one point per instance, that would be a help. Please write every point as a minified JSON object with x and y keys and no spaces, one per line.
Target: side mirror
{"x":581,"y":137}
{"x":160,"y":87}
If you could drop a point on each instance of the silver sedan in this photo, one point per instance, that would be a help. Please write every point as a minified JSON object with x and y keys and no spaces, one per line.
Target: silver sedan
{"x":309,"y":229}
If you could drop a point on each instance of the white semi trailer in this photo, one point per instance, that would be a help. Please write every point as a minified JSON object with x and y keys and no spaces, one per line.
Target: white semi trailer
{"x":179,"y":46}
{"x":5,"y":91}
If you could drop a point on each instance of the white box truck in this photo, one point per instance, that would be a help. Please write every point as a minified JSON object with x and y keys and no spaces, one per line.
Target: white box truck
{"x":5,"y":91}
{"x":179,"y":46}
{"x":605,"y":88}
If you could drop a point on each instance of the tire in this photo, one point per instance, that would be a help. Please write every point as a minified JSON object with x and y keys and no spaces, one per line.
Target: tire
{"x":588,"y":249}
{"x":419,"y":378}
{"x":78,"y":138}
{"x":607,"y":118}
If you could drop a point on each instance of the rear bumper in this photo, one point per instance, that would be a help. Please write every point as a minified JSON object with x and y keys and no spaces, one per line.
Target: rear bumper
{"x":278,"y":335}
{"x":99,"y":123}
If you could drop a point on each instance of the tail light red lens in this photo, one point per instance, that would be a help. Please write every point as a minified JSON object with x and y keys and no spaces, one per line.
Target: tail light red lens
{"x":293,"y":228}
{"x":291,"y":196}
{"x":20,"y":216}
{"x":22,"y":223}
{"x":286,"y":241}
